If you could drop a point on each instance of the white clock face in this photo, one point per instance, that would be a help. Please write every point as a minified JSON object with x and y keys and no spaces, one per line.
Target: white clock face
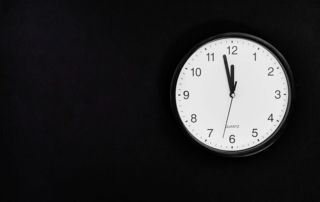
{"x":232,"y":94}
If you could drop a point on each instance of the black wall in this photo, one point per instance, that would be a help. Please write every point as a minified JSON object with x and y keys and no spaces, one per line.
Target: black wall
{"x":85,"y":111}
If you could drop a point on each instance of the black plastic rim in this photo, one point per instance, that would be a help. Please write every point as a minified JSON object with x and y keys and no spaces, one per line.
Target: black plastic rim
{"x":278,"y":132}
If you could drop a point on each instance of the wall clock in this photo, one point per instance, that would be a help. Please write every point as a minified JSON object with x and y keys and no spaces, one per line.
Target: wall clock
{"x":233,"y":94}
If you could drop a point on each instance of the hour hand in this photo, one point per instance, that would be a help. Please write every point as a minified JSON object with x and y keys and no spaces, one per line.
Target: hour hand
{"x":234,"y":84}
{"x":228,"y":73}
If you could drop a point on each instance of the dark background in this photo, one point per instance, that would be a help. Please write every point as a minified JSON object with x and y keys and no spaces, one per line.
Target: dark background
{"x":85,"y":110}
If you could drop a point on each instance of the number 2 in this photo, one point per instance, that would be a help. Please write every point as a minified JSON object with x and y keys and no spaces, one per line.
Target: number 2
{"x":271,"y":70}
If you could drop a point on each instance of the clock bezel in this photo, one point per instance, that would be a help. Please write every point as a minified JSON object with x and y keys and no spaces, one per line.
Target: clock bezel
{"x":282,"y":126}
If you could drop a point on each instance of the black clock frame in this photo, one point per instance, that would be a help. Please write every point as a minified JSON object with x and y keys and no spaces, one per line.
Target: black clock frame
{"x":281,"y":128}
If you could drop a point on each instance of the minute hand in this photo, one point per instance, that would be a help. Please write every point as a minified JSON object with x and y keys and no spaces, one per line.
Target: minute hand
{"x":229,"y":77}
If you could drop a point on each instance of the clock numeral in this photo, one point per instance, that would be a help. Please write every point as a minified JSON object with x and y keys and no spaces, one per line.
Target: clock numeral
{"x":232,"y":139}
{"x":186,"y":95}
{"x":278,"y":96}
{"x":210,"y":132}
{"x":196,"y":72}
{"x":271,"y":117}
{"x":255,"y":56}
{"x":193,"y":118}
{"x":212,"y":56}
{"x":234,"y":48}
{"x":254,"y":132}
{"x":271,"y":70}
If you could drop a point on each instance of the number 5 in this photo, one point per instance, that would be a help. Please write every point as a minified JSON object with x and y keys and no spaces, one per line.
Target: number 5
{"x":254,"y":132}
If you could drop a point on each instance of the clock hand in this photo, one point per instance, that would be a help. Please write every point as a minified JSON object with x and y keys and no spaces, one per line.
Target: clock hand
{"x":232,"y":89}
{"x":232,"y":86}
{"x":228,"y":73}
{"x":232,"y":78}
{"x":232,"y":81}
{"x":227,"y":117}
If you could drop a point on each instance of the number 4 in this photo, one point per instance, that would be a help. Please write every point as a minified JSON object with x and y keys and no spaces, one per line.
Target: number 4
{"x":271,"y":117}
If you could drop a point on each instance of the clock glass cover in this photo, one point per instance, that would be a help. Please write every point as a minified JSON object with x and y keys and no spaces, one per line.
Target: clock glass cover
{"x":232,"y":94}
